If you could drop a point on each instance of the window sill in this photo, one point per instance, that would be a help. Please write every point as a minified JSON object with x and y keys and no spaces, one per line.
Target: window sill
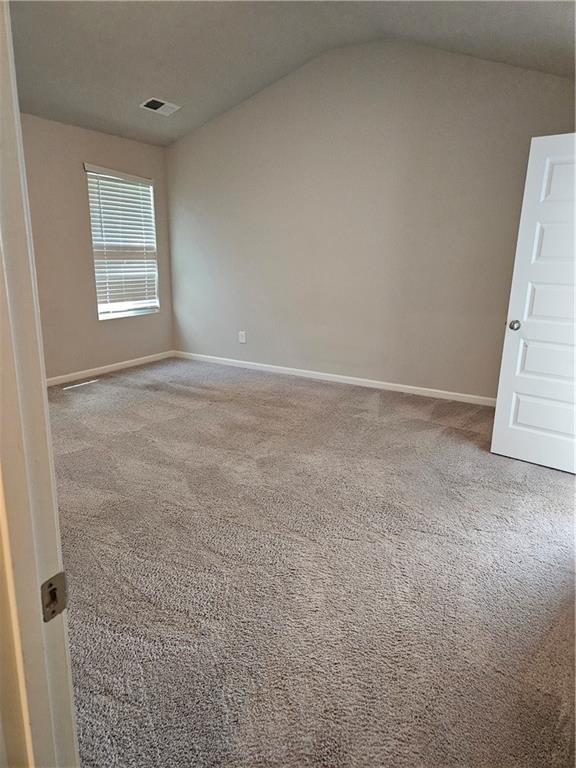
{"x":128,"y":313}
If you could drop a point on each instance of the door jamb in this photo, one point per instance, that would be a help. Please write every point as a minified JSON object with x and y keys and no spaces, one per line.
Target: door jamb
{"x":37,"y":658}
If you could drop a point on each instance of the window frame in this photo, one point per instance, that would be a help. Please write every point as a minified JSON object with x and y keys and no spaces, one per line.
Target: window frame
{"x":134,"y":311}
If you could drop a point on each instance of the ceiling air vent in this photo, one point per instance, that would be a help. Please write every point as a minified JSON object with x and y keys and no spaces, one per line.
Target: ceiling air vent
{"x":160,"y":107}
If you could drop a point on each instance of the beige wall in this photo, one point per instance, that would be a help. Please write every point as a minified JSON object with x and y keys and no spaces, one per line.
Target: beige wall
{"x":360,"y":216}
{"x":74,"y":338}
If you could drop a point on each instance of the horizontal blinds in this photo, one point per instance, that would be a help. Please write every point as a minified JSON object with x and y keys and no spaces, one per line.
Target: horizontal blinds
{"x":124,"y":243}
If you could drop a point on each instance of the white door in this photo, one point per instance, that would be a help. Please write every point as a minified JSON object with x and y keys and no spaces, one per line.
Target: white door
{"x":36,"y":707}
{"x":535,"y":418}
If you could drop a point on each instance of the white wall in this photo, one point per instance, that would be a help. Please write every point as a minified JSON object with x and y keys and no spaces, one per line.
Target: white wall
{"x":74,"y":338}
{"x":360,"y":216}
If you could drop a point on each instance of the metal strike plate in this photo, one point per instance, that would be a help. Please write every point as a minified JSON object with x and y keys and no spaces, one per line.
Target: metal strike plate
{"x":54,"y":596}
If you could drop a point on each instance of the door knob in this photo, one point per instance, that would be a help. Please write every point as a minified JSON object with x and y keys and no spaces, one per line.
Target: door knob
{"x":514,"y":325}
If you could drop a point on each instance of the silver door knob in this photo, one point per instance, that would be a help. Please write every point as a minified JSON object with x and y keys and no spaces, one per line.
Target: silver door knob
{"x":514,"y":325}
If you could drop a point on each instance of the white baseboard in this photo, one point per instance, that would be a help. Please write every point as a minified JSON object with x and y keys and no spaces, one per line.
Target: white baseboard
{"x":307,"y":374}
{"x":339,"y":378}
{"x":91,"y":372}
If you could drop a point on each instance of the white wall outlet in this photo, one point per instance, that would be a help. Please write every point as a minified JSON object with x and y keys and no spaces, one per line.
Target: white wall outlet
{"x":242,"y":337}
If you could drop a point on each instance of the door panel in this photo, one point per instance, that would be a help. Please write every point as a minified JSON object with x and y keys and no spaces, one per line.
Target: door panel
{"x":558,"y":178}
{"x":545,"y":359}
{"x":554,"y":242}
{"x":535,"y":418}
{"x":542,"y":414}
{"x":550,"y":301}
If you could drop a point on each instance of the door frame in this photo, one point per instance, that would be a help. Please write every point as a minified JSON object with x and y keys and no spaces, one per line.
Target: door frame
{"x":36,"y":698}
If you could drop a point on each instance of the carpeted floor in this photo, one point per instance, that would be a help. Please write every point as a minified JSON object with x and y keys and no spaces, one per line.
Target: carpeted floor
{"x":271,"y":571}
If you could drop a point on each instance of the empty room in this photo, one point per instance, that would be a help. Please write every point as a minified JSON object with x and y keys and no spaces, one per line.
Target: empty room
{"x":288,"y":418}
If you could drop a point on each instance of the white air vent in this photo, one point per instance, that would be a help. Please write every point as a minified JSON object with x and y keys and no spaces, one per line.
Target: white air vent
{"x":160,"y":107}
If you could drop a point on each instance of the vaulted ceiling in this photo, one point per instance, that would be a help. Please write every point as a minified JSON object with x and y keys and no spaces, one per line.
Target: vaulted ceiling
{"x":93,"y":63}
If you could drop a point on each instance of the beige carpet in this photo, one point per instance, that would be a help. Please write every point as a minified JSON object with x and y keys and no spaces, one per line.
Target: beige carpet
{"x":270,"y":571}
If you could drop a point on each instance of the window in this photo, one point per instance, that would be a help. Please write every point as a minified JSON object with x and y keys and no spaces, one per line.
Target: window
{"x":123,"y":243}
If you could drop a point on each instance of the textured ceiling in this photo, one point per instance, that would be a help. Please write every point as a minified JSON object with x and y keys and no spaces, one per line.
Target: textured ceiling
{"x":92,"y":63}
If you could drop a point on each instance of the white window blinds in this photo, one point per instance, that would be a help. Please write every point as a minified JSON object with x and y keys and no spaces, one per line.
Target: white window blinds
{"x":123,"y":243}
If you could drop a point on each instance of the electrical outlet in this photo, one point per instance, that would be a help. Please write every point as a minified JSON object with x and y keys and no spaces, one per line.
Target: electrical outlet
{"x":242,"y":337}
